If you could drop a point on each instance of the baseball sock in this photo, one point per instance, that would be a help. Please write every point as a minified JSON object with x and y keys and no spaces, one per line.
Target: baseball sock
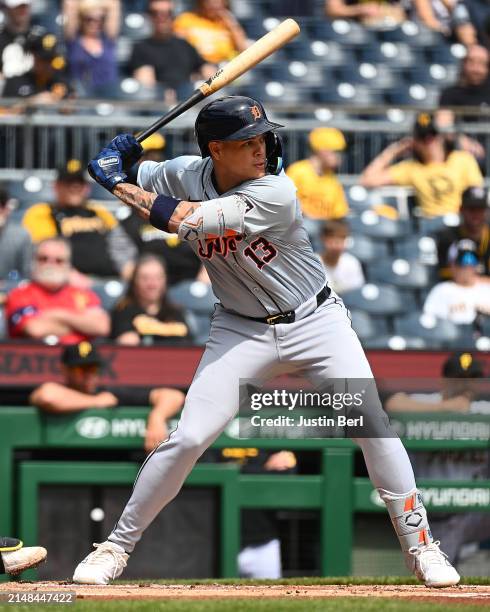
{"x":409,"y":518}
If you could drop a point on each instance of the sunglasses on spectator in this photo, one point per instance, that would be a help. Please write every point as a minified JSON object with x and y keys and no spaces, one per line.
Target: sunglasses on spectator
{"x":94,"y":18}
{"x":57,"y":260}
{"x":157,"y":13}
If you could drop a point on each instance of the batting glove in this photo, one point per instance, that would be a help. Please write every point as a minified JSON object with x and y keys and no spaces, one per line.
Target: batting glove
{"x":107,"y":169}
{"x":129,"y":149}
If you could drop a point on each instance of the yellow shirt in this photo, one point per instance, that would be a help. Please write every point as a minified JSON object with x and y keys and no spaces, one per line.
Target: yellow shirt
{"x":439,"y":185}
{"x":320,"y":196}
{"x":212,"y":39}
{"x":40,"y":223}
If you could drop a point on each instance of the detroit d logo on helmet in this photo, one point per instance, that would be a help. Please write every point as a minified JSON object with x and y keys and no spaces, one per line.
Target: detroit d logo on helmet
{"x":256,"y":112}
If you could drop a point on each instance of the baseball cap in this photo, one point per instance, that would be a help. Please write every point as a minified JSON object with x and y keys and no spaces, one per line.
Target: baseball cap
{"x":154,"y":142}
{"x":82,"y":354}
{"x":71,"y":172}
{"x":475,"y":197}
{"x":42,"y":44}
{"x":424,"y":126}
{"x":15,"y":3}
{"x":327,"y":138}
{"x":462,"y":365}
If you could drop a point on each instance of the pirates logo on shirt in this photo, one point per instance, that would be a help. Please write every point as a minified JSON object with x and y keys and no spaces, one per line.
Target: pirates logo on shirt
{"x":256,"y":112}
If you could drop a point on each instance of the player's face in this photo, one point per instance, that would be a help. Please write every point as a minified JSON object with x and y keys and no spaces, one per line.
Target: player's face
{"x":241,"y":159}
{"x":150,"y":283}
{"x":82,"y":378}
{"x":71,"y":193}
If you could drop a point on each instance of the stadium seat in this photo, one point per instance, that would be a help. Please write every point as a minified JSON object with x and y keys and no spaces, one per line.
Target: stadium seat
{"x":30,"y":190}
{"x":445,"y":54}
{"x":366,"y":249}
{"x":341,"y":30}
{"x":411,"y":33}
{"x":436,"y":224}
{"x":367,"y":326}
{"x":193,"y":295}
{"x":484,"y":324}
{"x":199,"y":325}
{"x":396,"y":342}
{"x":380,"y":299}
{"x":109,"y":292}
{"x":328,"y":53}
{"x":399,"y":272}
{"x":371,"y":224}
{"x":418,"y":248}
{"x":99,"y":193}
{"x":134,"y":25}
{"x":415,"y":94}
{"x":437,"y":332}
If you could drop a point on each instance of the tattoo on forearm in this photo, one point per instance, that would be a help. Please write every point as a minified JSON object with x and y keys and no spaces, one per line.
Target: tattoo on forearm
{"x":183,"y":211}
{"x":136,"y":198}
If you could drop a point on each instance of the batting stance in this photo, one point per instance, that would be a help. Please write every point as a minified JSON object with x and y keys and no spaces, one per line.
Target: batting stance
{"x":276,"y":313}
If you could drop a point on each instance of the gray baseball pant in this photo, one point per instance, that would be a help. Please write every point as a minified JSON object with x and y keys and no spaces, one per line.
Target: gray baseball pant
{"x":320,"y":343}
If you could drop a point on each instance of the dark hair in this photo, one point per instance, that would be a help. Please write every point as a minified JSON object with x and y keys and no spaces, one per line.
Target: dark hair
{"x":334,"y":227}
{"x":167,"y":311}
{"x":4,"y":195}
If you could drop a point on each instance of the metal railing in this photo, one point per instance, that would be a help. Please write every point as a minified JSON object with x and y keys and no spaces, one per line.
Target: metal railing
{"x":41,"y":141}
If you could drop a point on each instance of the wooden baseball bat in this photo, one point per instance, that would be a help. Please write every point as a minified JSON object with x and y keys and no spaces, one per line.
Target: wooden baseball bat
{"x":259,"y":50}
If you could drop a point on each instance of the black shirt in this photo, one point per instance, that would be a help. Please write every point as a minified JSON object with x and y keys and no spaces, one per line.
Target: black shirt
{"x":181,"y":262}
{"x":173,"y":59}
{"x":27,"y":85}
{"x":168,"y":326}
{"x":467,"y":95}
{"x":87,"y":229}
{"x":450,"y":236}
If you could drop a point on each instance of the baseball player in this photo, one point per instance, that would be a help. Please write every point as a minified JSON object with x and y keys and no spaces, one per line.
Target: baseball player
{"x":276,"y":313}
{"x":15,"y":558}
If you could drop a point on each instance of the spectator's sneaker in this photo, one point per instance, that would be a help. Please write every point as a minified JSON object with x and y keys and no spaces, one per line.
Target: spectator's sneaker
{"x":23,"y":559}
{"x":104,"y":564}
{"x":431,"y":565}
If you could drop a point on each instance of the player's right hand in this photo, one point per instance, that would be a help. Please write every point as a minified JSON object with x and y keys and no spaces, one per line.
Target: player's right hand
{"x":107,"y":168}
{"x":129,"y":149}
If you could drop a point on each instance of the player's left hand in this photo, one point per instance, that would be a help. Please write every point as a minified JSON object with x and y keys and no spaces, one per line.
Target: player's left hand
{"x":107,"y":168}
{"x":129,"y":149}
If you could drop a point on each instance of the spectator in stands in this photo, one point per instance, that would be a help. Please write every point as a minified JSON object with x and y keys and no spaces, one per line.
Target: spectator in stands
{"x":91,"y":28}
{"x":81,"y":365}
{"x":319,"y":190}
{"x":213,"y":30}
{"x":180,"y":260}
{"x":101,"y":248}
{"x":14,"y":60}
{"x":438,"y":173}
{"x":15,"y":245}
{"x":474,"y":226}
{"x":164,"y":58}
{"x":463,"y":298}
{"x":46,"y":82}
{"x":49,"y":307}
{"x":374,"y":13}
{"x":144,"y":314}
{"x":450,"y":17}
{"x":458,"y":394}
{"x":344,"y":271}
{"x":472,"y":88}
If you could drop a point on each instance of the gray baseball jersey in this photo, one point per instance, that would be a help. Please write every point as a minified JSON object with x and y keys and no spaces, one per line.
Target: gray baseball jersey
{"x":268,"y":269}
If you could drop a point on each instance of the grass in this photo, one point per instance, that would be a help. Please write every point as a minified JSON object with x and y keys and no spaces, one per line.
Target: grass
{"x":360,"y":604}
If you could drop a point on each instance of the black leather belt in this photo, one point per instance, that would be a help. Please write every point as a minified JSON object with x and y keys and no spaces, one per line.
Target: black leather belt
{"x":290,"y":316}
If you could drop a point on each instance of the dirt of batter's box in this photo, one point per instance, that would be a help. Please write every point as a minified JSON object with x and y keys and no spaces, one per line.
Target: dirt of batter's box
{"x":460,"y":594}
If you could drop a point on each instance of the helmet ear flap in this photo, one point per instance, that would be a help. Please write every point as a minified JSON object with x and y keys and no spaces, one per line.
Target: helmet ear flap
{"x":273,"y":151}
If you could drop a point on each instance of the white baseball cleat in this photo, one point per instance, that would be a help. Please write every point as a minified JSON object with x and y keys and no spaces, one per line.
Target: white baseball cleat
{"x":23,"y":559}
{"x":431,"y":565}
{"x":104,"y":564}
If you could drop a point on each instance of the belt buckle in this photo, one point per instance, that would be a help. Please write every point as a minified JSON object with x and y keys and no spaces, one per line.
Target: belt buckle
{"x":272,"y":320}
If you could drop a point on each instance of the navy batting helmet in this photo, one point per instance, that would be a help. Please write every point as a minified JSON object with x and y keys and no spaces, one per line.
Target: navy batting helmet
{"x":238,"y":118}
